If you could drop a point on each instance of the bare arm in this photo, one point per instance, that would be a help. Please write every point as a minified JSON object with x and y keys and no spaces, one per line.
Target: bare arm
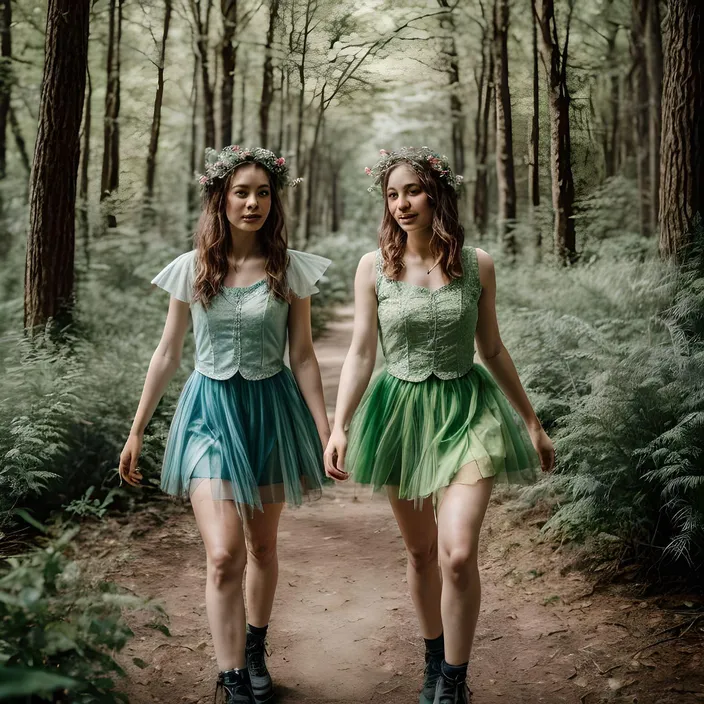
{"x":498,"y":361}
{"x":358,"y":366}
{"x":304,"y":364}
{"x":164,"y":363}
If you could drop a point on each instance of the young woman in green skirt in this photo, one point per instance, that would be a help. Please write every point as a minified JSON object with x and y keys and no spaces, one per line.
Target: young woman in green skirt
{"x":248,"y":432}
{"x":434,"y":429}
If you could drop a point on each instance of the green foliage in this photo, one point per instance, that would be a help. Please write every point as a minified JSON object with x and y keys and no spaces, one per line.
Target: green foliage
{"x":615,"y":366}
{"x":56,"y":621}
{"x":337,"y":286}
{"x":85,"y":506}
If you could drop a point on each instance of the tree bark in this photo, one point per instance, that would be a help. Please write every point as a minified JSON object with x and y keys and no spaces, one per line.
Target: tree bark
{"x":613,"y":125}
{"x":202,"y":25}
{"x":192,"y":192}
{"x":83,"y":222}
{"x":244,"y":66}
{"x":485,"y":89}
{"x":653,"y":53}
{"x":682,"y":152}
{"x":456,"y":107}
{"x":228,"y":53}
{"x":505,"y":170}
{"x":639,"y":73}
{"x":283,"y":98}
{"x":268,"y":77}
{"x":5,"y":79}
{"x":49,"y":268}
{"x":148,"y":206}
{"x":555,"y":62}
{"x":534,"y":167}
{"x":110,"y":177}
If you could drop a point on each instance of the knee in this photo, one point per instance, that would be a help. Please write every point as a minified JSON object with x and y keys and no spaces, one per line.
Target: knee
{"x":459,"y":563}
{"x":263,"y":552}
{"x":420,"y":558}
{"x":226,"y":566}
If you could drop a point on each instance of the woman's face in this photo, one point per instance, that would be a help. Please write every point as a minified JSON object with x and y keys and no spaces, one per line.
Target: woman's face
{"x":408,"y":203}
{"x":248,"y":198}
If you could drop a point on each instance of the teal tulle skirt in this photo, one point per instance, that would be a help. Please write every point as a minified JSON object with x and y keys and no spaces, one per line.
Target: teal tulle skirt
{"x":255,"y":441}
{"x":423,"y":436}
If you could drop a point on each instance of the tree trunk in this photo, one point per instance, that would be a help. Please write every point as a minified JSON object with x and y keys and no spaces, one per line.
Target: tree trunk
{"x":228,"y":53}
{"x":505,"y":171}
{"x":612,"y":126}
{"x":148,"y":206}
{"x":283,"y":98}
{"x":682,"y":152}
{"x":268,"y":77}
{"x":534,"y":160}
{"x":485,"y":91}
{"x":244,"y":65}
{"x":49,"y":271}
{"x":202,"y":25}
{"x":555,"y":62}
{"x":640,"y":109}
{"x":5,"y":78}
{"x":83,"y":222}
{"x":456,"y":108}
{"x":110,"y":177}
{"x":192,"y":192}
{"x":653,"y":53}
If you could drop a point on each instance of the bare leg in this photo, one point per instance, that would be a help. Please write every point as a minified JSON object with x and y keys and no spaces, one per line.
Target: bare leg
{"x":460,"y":517}
{"x":262,"y":564}
{"x":420,"y":534}
{"x":220,"y":528}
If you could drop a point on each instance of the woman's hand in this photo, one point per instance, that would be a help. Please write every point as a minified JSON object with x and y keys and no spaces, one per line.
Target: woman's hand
{"x":129,"y":458}
{"x":544,"y":447}
{"x":334,"y":455}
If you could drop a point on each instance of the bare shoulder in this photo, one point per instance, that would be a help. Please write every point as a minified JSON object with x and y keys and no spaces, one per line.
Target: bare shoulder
{"x":487,"y":275}
{"x":366,"y":270}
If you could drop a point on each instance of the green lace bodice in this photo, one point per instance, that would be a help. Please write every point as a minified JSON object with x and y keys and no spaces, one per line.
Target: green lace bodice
{"x":426,"y":331}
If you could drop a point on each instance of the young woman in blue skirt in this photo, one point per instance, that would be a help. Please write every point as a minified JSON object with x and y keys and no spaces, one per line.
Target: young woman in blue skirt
{"x":248,"y":432}
{"x":434,"y":429}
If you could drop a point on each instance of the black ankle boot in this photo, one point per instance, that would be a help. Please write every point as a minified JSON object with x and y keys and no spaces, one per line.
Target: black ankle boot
{"x":430,"y":678}
{"x":262,"y":686}
{"x":235,"y":687}
{"x":452,"y":691}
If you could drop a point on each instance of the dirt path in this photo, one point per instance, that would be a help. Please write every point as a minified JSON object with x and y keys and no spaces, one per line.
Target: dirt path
{"x":343,"y":629}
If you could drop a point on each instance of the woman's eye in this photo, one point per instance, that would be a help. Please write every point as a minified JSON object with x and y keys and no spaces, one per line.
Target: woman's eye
{"x":240,"y":193}
{"x":264,"y":194}
{"x":392,"y":196}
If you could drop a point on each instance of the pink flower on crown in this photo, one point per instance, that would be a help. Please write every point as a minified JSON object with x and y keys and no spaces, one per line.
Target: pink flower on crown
{"x":383,"y":152}
{"x":203,"y":180}
{"x":367,"y":171}
{"x":235,"y":147}
{"x":280,"y":161}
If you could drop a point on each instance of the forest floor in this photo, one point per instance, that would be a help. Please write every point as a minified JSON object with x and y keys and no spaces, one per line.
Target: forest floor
{"x":343,"y":627}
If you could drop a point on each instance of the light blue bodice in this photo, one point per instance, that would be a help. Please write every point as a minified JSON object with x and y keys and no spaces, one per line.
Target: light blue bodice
{"x":244,"y":328}
{"x":426,"y":331}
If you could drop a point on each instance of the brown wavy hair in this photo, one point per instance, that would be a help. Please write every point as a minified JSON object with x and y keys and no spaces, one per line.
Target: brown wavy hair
{"x":447,"y":237}
{"x":213,"y":242}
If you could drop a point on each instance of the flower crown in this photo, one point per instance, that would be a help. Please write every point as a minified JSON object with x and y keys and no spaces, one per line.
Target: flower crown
{"x":416,"y":157}
{"x":219,"y":165}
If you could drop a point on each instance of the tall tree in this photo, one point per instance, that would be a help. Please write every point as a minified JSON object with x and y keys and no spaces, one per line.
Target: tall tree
{"x":228,"y":52}
{"x":268,"y":77}
{"x":49,"y":272}
{"x":653,"y":53}
{"x":639,"y":76}
{"x":555,"y":63}
{"x":148,"y":210}
{"x":453,"y":72}
{"x":83,"y":221}
{"x":484,"y":79}
{"x":5,"y":78}
{"x":682,"y":153}
{"x":110,"y":178}
{"x":534,"y":162}
{"x":505,"y":170}
{"x":201,"y":10}
{"x":612,"y":124}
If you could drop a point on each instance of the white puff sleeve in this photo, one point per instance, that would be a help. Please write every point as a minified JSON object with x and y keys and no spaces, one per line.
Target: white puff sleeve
{"x":177,"y":278}
{"x":304,"y":271}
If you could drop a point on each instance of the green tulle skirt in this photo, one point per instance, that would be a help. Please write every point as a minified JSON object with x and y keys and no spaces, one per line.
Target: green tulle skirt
{"x":424,"y":436}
